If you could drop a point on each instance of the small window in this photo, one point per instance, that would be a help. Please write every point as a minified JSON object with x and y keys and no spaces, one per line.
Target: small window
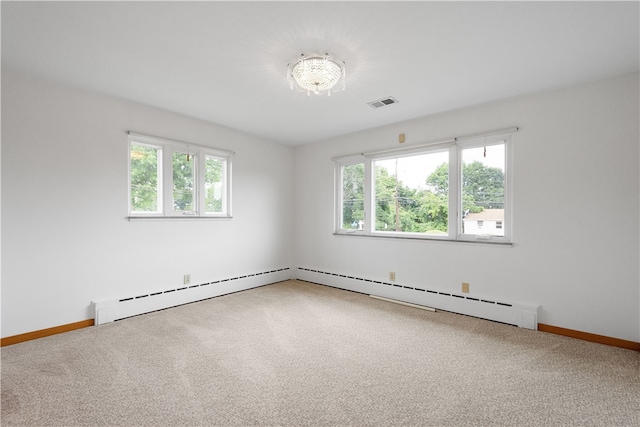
{"x":173,"y":179}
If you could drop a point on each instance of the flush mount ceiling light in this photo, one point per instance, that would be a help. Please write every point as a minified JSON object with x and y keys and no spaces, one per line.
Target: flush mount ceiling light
{"x":316,"y":74}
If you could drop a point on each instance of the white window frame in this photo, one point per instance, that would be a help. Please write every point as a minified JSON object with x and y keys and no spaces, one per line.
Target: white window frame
{"x":341,"y":163}
{"x":159,"y":176}
{"x":455,"y":147}
{"x":431,"y":148}
{"x":507,"y":222}
{"x":226,"y":187}
{"x":166,"y":148}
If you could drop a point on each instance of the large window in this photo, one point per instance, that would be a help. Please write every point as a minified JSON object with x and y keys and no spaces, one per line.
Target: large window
{"x":173,"y":179}
{"x":405,"y":199}
{"x":456,"y":190}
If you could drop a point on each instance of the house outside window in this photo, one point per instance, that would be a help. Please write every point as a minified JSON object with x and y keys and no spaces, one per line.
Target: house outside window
{"x":487,"y":222}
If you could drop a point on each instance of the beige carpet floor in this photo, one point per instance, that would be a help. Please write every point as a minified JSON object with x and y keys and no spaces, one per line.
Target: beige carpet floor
{"x":295,"y":353}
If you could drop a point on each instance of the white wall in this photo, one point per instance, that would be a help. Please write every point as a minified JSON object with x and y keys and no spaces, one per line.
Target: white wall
{"x":65,"y":239}
{"x":66,"y":242}
{"x":576,"y":209}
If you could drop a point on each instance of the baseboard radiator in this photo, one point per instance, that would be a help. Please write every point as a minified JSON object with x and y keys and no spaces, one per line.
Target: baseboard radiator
{"x":521,"y":315}
{"x":133,"y":305}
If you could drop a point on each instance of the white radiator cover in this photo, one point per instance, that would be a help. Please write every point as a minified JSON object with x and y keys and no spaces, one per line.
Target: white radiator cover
{"x":115,"y":309}
{"x":521,"y":315}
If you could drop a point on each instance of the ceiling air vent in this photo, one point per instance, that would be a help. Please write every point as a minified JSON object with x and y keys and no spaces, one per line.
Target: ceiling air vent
{"x":382,"y":102}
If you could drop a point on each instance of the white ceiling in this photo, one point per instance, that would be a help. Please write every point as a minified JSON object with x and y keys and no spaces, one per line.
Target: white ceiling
{"x":225,"y":62}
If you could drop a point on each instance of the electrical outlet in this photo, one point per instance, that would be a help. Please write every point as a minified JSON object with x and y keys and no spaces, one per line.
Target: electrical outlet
{"x":392,"y":276}
{"x":465,"y":288}
{"x":186,"y":279}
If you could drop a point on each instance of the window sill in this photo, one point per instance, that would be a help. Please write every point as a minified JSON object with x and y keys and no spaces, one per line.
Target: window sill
{"x":426,"y":238}
{"x":187,"y":217}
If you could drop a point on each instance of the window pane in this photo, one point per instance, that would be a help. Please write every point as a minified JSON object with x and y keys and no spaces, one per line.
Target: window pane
{"x":214,"y":184}
{"x":412,"y":193}
{"x":353,"y":197}
{"x":145,"y":178}
{"x":483,"y":190}
{"x":183,"y":182}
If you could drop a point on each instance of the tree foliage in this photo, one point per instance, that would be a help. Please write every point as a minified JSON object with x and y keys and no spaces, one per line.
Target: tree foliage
{"x":401,"y":208}
{"x":144,"y":179}
{"x":145,"y":186}
{"x":484,"y":185}
{"x":183,"y":182}
{"x":439,"y":179}
{"x":213,"y":185}
{"x":353,"y":196}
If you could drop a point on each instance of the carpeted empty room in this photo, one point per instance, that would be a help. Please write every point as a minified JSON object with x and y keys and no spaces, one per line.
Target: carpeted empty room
{"x":320,"y":213}
{"x":297,"y":353}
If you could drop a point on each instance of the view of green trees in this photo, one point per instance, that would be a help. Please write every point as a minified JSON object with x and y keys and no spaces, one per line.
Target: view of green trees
{"x":352,"y":195}
{"x":145,"y":180}
{"x":401,"y":208}
{"x":183,"y":182}
{"x":213,"y":185}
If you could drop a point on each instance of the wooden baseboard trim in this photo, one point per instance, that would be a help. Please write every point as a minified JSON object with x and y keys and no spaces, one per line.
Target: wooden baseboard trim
{"x":586,"y":336}
{"x":15,"y":339}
